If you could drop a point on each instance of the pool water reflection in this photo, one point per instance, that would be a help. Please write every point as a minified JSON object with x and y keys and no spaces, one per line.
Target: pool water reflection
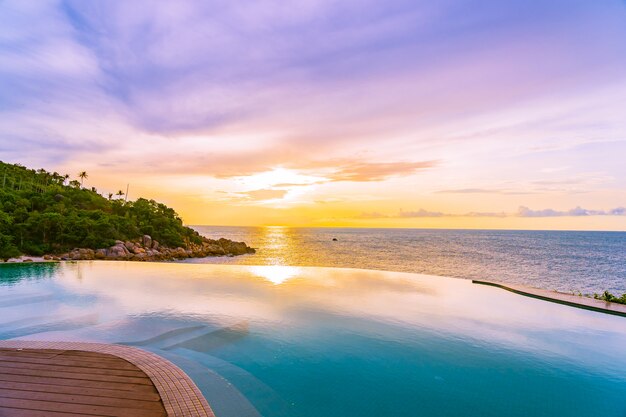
{"x":291,"y":341}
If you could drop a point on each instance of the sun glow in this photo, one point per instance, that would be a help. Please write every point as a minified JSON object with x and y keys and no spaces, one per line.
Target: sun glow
{"x":276,"y":274}
{"x":279,"y":177}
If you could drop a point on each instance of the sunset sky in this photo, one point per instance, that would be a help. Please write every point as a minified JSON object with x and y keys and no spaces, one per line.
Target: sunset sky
{"x":397,"y":113}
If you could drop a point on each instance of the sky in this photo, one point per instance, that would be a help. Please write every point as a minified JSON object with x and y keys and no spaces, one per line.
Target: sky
{"x":403,"y":113}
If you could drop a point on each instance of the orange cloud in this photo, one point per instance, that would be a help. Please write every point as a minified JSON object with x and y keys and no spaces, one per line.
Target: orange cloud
{"x":378,"y":171}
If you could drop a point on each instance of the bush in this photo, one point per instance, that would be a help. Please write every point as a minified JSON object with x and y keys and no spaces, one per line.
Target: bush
{"x":39,"y":213}
{"x":607,"y":296}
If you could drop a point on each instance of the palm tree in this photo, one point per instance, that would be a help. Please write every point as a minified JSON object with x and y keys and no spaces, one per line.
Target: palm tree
{"x":120,"y":193}
{"x":82,"y":175}
{"x":110,"y":195}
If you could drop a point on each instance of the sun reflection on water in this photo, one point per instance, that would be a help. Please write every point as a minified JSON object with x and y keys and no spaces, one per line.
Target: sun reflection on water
{"x":277,"y":274}
{"x":278,"y":244}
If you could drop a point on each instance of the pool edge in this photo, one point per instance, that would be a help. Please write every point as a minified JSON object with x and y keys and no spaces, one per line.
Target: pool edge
{"x":571,"y":300}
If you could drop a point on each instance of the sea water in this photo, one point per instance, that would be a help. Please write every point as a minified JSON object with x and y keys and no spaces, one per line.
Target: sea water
{"x":586,"y":262}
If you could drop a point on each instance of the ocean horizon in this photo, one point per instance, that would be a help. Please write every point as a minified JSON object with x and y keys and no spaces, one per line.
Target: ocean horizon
{"x":569,"y":261}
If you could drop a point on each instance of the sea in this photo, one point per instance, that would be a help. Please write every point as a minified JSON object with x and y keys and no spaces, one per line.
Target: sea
{"x":568,"y":261}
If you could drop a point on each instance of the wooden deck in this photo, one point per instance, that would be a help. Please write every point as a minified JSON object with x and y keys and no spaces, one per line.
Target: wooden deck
{"x":50,"y":382}
{"x":56,"y":379}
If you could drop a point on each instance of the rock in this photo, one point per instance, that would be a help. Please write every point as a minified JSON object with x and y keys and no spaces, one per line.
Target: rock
{"x":140,"y":257}
{"x":334,"y":239}
{"x":27,"y":260}
{"x":213,"y":249}
{"x":235,"y":248}
{"x":118,"y":251}
{"x":84,"y":254}
{"x":47,"y":258}
{"x":148,"y":249}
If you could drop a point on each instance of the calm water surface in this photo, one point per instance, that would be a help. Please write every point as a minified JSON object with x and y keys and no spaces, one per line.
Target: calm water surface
{"x":555,"y":260}
{"x":282,"y":341}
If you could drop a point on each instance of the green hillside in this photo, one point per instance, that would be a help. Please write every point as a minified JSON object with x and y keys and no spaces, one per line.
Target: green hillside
{"x":43,"y":212}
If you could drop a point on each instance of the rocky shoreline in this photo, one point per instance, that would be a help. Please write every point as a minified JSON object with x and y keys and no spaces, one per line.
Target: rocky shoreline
{"x":148,"y":249}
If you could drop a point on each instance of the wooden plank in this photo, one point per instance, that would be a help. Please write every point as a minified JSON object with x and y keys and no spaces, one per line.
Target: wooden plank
{"x":93,"y":410}
{"x":88,"y":354}
{"x":61,"y":389}
{"x":76,"y":369}
{"x":52,"y":352}
{"x":121,"y":364}
{"x":42,"y":355}
{"x":86,"y":359}
{"x":76,"y":383}
{"x":73,"y":375}
{"x":80,"y":398}
{"x":20,"y":412}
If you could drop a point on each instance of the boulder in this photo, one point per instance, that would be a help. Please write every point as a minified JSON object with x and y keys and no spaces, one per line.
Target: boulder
{"x":147,"y":241}
{"x":235,"y":248}
{"x":117,"y":251}
{"x":137,"y":250}
{"x":100,"y":254}
{"x":86,"y":254}
{"x":213,"y":249}
{"x":140,"y":257}
{"x":155,"y":245}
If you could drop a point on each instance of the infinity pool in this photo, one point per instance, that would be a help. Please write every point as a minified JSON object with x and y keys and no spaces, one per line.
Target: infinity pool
{"x":286,"y":341}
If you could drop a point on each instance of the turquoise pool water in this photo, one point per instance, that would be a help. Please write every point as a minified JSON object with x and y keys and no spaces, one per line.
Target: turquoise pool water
{"x":289,"y":341}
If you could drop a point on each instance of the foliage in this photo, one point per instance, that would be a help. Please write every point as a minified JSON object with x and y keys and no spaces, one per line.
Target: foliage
{"x":40,"y":214}
{"x":607,"y":296}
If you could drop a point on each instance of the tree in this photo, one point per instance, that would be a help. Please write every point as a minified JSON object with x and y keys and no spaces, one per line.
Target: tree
{"x":45,"y":216}
{"x":82,"y":175}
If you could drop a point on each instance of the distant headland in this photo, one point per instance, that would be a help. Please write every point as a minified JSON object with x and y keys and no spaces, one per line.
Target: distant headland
{"x":44,"y":214}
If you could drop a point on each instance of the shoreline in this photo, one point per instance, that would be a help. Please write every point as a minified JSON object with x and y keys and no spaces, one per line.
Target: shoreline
{"x":144,"y":249}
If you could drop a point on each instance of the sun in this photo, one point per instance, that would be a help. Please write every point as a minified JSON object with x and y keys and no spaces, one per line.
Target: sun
{"x":279,"y":177}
